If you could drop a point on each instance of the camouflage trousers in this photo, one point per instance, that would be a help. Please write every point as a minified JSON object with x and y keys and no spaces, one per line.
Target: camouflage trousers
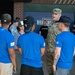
{"x":49,"y":62}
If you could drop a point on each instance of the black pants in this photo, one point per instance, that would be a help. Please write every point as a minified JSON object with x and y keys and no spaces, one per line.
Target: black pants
{"x":28,"y":70}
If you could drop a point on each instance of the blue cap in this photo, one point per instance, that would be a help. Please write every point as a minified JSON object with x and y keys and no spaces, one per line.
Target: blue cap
{"x":15,"y":20}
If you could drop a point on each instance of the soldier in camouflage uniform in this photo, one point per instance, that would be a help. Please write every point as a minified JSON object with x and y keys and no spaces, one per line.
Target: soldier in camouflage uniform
{"x":50,"y":41}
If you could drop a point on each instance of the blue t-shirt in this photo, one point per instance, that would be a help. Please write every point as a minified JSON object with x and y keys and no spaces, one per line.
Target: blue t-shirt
{"x":6,"y":42}
{"x":66,"y":41}
{"x":31,"y":43}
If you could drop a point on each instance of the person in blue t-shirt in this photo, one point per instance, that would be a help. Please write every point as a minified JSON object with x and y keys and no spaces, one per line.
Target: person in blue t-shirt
{"x":32,"y":46}
{"x":64,"y":51}
{"x":7,"y":54}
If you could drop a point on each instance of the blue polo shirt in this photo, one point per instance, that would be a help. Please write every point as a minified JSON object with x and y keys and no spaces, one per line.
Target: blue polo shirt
{"x":31,"y":44}
{"x":6,"y":42}
{"x":66,"y":41}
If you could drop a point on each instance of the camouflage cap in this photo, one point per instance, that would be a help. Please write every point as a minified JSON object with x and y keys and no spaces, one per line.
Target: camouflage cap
{"x":57,"y":10}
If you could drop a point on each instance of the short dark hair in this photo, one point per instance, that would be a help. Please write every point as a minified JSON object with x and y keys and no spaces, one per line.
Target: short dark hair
{"x":17,"y":18}
{"x":44,"y":20}
{"x":66,"y":24}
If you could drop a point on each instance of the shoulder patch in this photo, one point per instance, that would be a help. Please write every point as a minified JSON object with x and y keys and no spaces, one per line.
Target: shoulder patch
{"x":57,"y":42}
{"x":12,"y":43}
{"x":44,"y":43}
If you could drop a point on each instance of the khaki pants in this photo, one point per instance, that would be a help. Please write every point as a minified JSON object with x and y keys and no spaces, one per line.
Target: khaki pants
{"x":6,"y":69}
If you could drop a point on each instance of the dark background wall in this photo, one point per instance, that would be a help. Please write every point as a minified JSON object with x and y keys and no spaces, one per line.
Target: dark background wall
{"x":6,"y":6}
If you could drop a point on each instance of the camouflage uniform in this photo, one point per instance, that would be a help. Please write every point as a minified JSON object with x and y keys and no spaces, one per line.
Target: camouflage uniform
{"x":50,"y":45}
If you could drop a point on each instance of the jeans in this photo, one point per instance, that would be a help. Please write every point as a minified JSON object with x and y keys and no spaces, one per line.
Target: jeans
{"x":62,"y":71}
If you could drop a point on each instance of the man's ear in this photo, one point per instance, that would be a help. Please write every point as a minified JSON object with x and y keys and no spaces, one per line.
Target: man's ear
{"x":62,"y":24}
{"x":33,"y":26}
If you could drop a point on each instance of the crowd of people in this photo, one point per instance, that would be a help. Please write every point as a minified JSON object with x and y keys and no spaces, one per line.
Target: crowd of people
{"x":19,"y":37}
